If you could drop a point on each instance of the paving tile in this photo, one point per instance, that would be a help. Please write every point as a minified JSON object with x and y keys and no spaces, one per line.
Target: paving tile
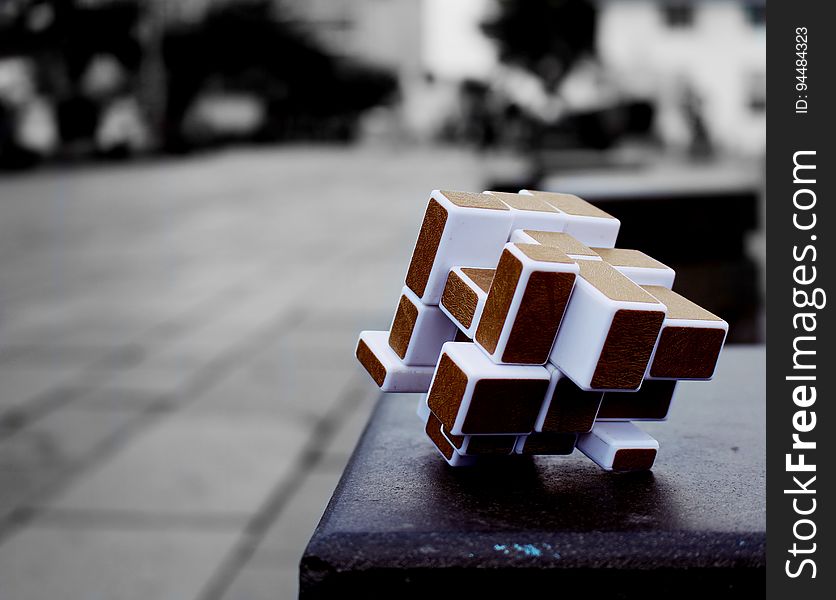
{"x":42,"y":454}
{"x":351,"y":423}
{"x":191,"y":464}
{"x":21,"y":384}
{"x":149,"y":380}
{"x":285,"y":540}
{"x":54,"y":354}
{"x":274,"y":386}
{"x":105,"y":397}
{"x":85,"y":564}
{"x":65,"y":436}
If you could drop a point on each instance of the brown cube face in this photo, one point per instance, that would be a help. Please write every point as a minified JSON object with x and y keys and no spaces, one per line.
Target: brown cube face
{"x":499,"y":300}
{"x":402,"y":326}
{"x":549,"y":444}
{"x":571,"y":204}
{"x":691,"y":339}
{"x":370,"y":362}
{"x":687,"y":353}
{"x":496,"y":406}
{"x":460,"y":293}
{"x":481,"y":277}
{"x":651,"y":402}
{"x":571,"y":410}
{"x":623,"y":257}
{"x":432,"y":231}
{"x":562,"y":241}
{"x":538,"y":316}
{"x":447,"y":391}
{"x":525,"y":202}
{"x":459,"y":299}
{"x":634,"y":459}
{"x":627,"y":349}
{"x":504,"y":405}
{"x":432,"y":228}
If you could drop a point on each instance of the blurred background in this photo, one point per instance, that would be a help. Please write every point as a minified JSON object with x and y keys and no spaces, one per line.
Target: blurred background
{"x":202,"y":202}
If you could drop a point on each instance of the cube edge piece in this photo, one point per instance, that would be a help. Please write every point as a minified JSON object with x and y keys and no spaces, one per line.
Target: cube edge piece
{"x":386,"y":369}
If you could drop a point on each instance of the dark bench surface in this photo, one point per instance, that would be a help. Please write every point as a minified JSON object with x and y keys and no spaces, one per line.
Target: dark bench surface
{"x":402,"y":523}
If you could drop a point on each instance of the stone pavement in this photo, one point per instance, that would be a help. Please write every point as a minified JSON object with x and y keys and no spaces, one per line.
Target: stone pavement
{"x":178,"y":393}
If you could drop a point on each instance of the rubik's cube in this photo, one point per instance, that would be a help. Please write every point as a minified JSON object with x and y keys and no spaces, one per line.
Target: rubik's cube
{"x":528,"y":332}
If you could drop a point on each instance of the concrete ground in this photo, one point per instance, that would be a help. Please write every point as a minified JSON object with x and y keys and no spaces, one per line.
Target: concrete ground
{"x":178,"y":392}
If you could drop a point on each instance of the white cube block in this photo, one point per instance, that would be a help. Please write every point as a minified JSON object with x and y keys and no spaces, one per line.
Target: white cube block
{"x":531,"y":212}
{"x":638,"y":266}
{"x":652,"y":402}
{"x":567,"y":408}
{"x":443,"y":445}
{"x":564,"y":242}
{"x":471,"y":394}
{"x":546,"y":444}
{"x":609,"y":330}
{"x":459,"y":228}
{"x":526,"y":302}
{"x":464,"y":297}
{"x":586,"y":222}
{"x":691,"y":340}
{"x":619,"y":447}
{"x":419,"y":330}
{"x":385,"y":367}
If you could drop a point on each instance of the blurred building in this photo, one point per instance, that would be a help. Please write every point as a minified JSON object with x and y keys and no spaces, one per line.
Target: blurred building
{"x":706,"y":56}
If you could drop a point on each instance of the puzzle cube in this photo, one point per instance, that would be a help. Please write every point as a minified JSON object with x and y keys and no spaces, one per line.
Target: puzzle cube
{"x":567,"y":408}
{"x":559,"y":339}
{"x":482,"y":445}
{"x":531,"y":212}
{"x":651,"y":402}
{"x":638,"y":266}
{"x":619,"y":446}
{"x":418,"y":331}
{"x":609,"y":330}
{"x":562,"y":241}
{"x":586,"y":222}
{"x":691,"y":339}
{"x":471,"y":394}
{"x":386,"y":368}
{"x":459,"y":228}
{"x":549,"y":443}
{"x":443,"y":445}
{"x":526,"y":302}
{"x":464,"y":297}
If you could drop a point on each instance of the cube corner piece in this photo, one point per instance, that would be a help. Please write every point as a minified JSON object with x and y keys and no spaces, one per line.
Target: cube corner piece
{"x":419,"y":330}
{"x":640,"y":268}
{"x":459,"y":228}
{"x":690,"y":342}
{"x":619,"y":446}
{"x":471,"y":394}
{"x":526,"y":303}
{"x":585,"y":221}
{"x":385,"y":367}
{"x":464,"y":296}
{"x":609,"y":331}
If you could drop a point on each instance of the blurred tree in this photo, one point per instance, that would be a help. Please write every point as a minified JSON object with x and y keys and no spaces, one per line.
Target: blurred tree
{"x":545,"y":37}
{"x":248,"y":47}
